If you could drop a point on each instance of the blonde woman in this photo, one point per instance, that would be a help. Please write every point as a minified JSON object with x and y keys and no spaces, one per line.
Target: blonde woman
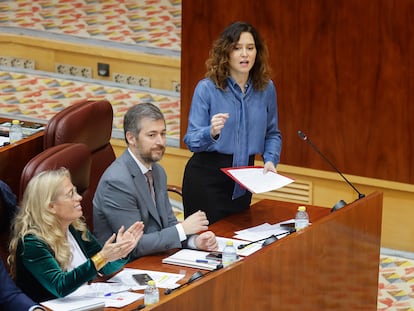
{"x":52,"y":252}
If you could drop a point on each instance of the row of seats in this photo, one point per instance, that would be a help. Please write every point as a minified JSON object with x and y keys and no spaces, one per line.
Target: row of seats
{"x":87,"y":122}
{"x":77,"y":138}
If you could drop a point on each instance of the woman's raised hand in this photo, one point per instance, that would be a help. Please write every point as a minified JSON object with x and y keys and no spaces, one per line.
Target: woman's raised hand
{"x":120,"y":245}
{"x":217,"y":123}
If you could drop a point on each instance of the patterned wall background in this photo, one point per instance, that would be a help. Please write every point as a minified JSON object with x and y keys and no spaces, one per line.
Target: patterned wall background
{"x":150,"y":23}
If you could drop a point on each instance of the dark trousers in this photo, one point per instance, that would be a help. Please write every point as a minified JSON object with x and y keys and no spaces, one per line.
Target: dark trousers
{"x":205,"y":187}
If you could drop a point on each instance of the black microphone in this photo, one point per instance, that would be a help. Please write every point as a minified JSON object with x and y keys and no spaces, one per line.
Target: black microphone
{"x":197,"y":275}
{"x":268,"y":240}
{"x":340,"y":203}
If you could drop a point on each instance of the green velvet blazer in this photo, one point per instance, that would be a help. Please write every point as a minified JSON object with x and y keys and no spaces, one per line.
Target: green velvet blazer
{"x":39,"y":275}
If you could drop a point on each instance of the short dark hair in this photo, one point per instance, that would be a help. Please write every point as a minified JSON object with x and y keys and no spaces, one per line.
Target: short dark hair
{"x":134,"y":115}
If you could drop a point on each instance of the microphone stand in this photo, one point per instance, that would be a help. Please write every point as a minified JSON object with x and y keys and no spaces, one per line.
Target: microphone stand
{"x":268,"y":240}
{"x":340,"y":203}
{"x":194,"y":277}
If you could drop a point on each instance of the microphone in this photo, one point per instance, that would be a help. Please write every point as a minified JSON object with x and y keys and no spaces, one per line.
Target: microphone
{"x":340,"y":203}
{"x":268,"y":240}
{"x":197,"y":275}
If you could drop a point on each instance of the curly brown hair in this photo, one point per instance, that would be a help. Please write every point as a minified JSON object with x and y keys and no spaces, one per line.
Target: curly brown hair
{"x":218,"y":68}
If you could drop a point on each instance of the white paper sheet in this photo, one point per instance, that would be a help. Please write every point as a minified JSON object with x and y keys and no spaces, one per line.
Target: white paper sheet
{"x":4,"y":139}
{"x":162,"y":279}
{"x":262,"y":231}
{"x":253,"y":179}
{"x":111,"y":294}
{"x":246,"y":251}
{"x":191,"y":258}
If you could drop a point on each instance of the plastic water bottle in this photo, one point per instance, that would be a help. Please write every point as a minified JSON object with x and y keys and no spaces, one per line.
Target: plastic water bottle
{"x":301,"y":218}
{"x":16,"y":131}
{"x":151,"y":294}
{"x":229,"y":254}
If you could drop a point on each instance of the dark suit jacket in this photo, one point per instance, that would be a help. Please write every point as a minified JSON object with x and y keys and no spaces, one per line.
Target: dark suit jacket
{"x":11,"y":297}
{"x":123,"y":197}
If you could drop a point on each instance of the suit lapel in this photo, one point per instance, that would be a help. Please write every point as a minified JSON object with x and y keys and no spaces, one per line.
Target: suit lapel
{"x":141,"y":187}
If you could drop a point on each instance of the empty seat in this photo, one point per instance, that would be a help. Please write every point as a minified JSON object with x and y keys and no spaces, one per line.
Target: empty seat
{"x":88,"y":122}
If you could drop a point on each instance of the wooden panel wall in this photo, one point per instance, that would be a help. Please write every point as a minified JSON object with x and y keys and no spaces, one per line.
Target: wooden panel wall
{"x":344,"y":73}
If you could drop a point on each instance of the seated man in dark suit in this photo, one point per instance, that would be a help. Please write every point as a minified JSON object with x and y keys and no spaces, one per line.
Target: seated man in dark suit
{"x":11,"y":297}
{"x":124,"y":196}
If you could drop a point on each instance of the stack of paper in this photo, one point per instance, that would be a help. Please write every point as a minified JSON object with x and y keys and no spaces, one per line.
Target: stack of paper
{"x":263,"y":231}
{"x":73,"y":304}
{"x":245,"y":251}
{"x":198,"y":259}
{"x":95,"y":296}
{"x":162,"y":279}
{"x":192,"y":258}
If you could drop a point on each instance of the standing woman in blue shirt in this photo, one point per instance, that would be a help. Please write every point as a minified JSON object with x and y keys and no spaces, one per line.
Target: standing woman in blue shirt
{"x":233,"y":117}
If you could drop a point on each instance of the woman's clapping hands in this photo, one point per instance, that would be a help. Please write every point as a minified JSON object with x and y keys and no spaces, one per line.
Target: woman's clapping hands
{"x":120,"y":245}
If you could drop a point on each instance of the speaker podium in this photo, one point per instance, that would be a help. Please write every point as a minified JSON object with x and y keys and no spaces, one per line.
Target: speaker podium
{"x":331,"y":265}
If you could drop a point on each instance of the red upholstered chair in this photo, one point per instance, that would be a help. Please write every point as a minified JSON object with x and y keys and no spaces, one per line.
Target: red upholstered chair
{"x":88,"y":122}
{"x":75,"y":157}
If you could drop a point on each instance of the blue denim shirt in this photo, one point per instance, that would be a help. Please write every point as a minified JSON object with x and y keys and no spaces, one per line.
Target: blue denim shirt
{"x":252,"y":126}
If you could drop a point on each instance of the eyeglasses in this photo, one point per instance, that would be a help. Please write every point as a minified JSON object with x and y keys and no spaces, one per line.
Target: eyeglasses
{"x":71,"y":194}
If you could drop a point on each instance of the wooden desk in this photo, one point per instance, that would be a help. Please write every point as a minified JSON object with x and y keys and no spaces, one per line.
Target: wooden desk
{"x":331,"y":265}
{"x":15,"y":156}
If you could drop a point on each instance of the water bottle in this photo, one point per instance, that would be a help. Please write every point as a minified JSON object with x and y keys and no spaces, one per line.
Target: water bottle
{"x":229,"y":254}
{"x":16,"y":131}
{"x":301,"y":218}
{"x":151,"y":294}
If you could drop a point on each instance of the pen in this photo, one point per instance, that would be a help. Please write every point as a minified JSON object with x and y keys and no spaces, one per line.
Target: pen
{"x":113,"y":293}
{"x":162,"y":279}
{"x":214,"y":262}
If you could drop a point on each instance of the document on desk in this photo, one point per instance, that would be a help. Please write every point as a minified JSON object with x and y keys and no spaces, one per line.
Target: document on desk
{"x":253,"y":179}
{"x":192,"y":258}
{"x":28,"y":128}
{"x":74,"y":304}
{"x":162,"y":279}
{"x":4,"y":140}
{"x":245,"y":251}
{"x":199,"y":259}
{"x":263,"y":231}
{"x":95,"y":296}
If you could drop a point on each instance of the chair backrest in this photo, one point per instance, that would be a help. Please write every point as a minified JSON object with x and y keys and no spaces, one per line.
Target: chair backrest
{"x":88,"y":122}
{"x":75,"y":157}
{"x":175,"y":194}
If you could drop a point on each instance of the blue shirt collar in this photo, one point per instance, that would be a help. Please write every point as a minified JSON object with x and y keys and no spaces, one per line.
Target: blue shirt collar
{"x":235,"y":87}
